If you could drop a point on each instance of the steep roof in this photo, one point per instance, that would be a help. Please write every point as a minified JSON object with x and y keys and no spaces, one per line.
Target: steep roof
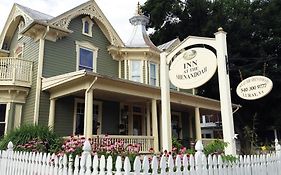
{"x":34,"y":14}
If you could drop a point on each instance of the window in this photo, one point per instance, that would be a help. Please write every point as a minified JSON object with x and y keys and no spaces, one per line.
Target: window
{"x":153,"y":74}
{"x":87,"y":26}
{"x":86,"y":59}
{"x":136,"y":70}
{"x":80,"y":115}
{"x":86,"y":56}
{"x":2,"y":119}
{"x":18,"y":52}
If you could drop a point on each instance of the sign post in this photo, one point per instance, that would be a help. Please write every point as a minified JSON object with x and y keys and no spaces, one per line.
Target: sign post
{"x":191,"y":66}
{"x":224,"y":88}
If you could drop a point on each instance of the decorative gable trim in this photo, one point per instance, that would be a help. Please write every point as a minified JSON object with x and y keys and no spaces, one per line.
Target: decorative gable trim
{"x":91,"y":9}
{"x":14,"y":14}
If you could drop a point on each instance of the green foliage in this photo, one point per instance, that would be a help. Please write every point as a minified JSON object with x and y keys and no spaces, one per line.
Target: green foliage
{"x":215,"y":147}
{"x":229,"y":158}
{"x":176,"y":143}
{"x":253,"y":39}
{"x":32,"y":138}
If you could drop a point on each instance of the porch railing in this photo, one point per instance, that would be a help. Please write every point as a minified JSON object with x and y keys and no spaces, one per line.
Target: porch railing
{"x":146,"y":142}
{"x":15,"y":71}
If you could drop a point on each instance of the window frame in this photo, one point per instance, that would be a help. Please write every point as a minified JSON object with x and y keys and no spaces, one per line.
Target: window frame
{"x":156,"y":74}
{"x":98,"y":103}
{"x":87,"y":46}
{"x":90,"y":26}
{"x":140,"y":72}
{"x":8,"y":105}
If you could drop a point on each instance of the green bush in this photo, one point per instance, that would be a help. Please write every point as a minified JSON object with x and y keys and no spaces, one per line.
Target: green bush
{"x":32,"y":138}
{"x":215,"y":147}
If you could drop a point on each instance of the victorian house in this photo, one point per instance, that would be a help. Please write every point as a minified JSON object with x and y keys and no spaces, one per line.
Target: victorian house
{"x":73,"y":73}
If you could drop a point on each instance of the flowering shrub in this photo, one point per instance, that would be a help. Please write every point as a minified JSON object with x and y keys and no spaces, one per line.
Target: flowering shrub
{"x":33,"y":138}
{"x":73,"y":146}
{"x":34,"y":145}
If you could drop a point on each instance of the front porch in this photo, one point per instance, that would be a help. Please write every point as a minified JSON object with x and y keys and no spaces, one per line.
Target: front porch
{"x":122,"y":109}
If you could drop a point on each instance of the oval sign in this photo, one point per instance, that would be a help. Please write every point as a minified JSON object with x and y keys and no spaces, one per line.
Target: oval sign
{"x":193,"y":68}
{"x":254,"y":87}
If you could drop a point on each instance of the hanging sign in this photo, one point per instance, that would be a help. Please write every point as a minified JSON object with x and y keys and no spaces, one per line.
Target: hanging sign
{"x":254,"y":87}
{"x":193,"y":68}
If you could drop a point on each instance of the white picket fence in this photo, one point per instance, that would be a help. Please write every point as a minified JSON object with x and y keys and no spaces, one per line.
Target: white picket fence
{"x":24,"y":163}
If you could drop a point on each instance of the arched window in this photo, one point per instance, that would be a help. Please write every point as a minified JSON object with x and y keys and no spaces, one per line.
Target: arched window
{"x":87,"y":26}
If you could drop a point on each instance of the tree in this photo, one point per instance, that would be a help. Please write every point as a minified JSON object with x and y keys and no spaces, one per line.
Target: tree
{"x":254,"y":48}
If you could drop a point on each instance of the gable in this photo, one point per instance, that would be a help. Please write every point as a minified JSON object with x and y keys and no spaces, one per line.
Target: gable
{"x":11,"y":25}
{"x":89,"y":8}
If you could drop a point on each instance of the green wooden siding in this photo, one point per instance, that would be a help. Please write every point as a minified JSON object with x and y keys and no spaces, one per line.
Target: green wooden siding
{"x":60,"y":56}
{"x":44,"y":108}
{"x":64,"y":116}
{"x":30,"y":52}
{"x":110,"y":118}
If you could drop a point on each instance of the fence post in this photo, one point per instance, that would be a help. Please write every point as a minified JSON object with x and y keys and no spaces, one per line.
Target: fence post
{"x":10,"y":147}
{"x":199,"y":151}
{"x":86,"y":148}
{"x":277,"y":147}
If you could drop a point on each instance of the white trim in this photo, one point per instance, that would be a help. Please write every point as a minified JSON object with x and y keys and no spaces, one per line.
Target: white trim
{"x":88,"y":46}
{"x":90,"y":29}
{"x":8,"y":107}
{"x":18,"y":115}
{"x":125,"y":69}
{"x":39,"y":80}
{"x":146,"y":71}
{"x":119,"y":69}
{"x":80,"y":100}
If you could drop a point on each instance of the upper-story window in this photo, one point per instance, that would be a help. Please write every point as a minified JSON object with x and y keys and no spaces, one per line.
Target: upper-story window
{"x":18,"y":52}
{"x":153,"y":74}
{"x":87,"y":26}
{"x":20,"y":28}
{"x":86,"y":56}
{"x":136,"y":70}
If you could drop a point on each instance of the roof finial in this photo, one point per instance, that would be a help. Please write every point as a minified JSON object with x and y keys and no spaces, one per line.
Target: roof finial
{"x":138,"y":10}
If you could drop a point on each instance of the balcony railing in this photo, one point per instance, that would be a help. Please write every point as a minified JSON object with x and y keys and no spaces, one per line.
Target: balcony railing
{"x":15,"y":71}
{"x":146,"y":142}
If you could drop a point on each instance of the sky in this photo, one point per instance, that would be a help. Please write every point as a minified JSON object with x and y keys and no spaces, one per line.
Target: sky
{"x":117,"y":12}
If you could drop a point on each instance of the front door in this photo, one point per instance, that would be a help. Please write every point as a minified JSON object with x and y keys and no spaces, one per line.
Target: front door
{"x":2,"y":119}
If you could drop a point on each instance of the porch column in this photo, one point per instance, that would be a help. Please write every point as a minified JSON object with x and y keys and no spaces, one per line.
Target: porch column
{"x":197,"y":124}
{"x":155,"y":125}
{"x":52,"y":111}
{"x":148,"y":118}
{"x":88,"y":126}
